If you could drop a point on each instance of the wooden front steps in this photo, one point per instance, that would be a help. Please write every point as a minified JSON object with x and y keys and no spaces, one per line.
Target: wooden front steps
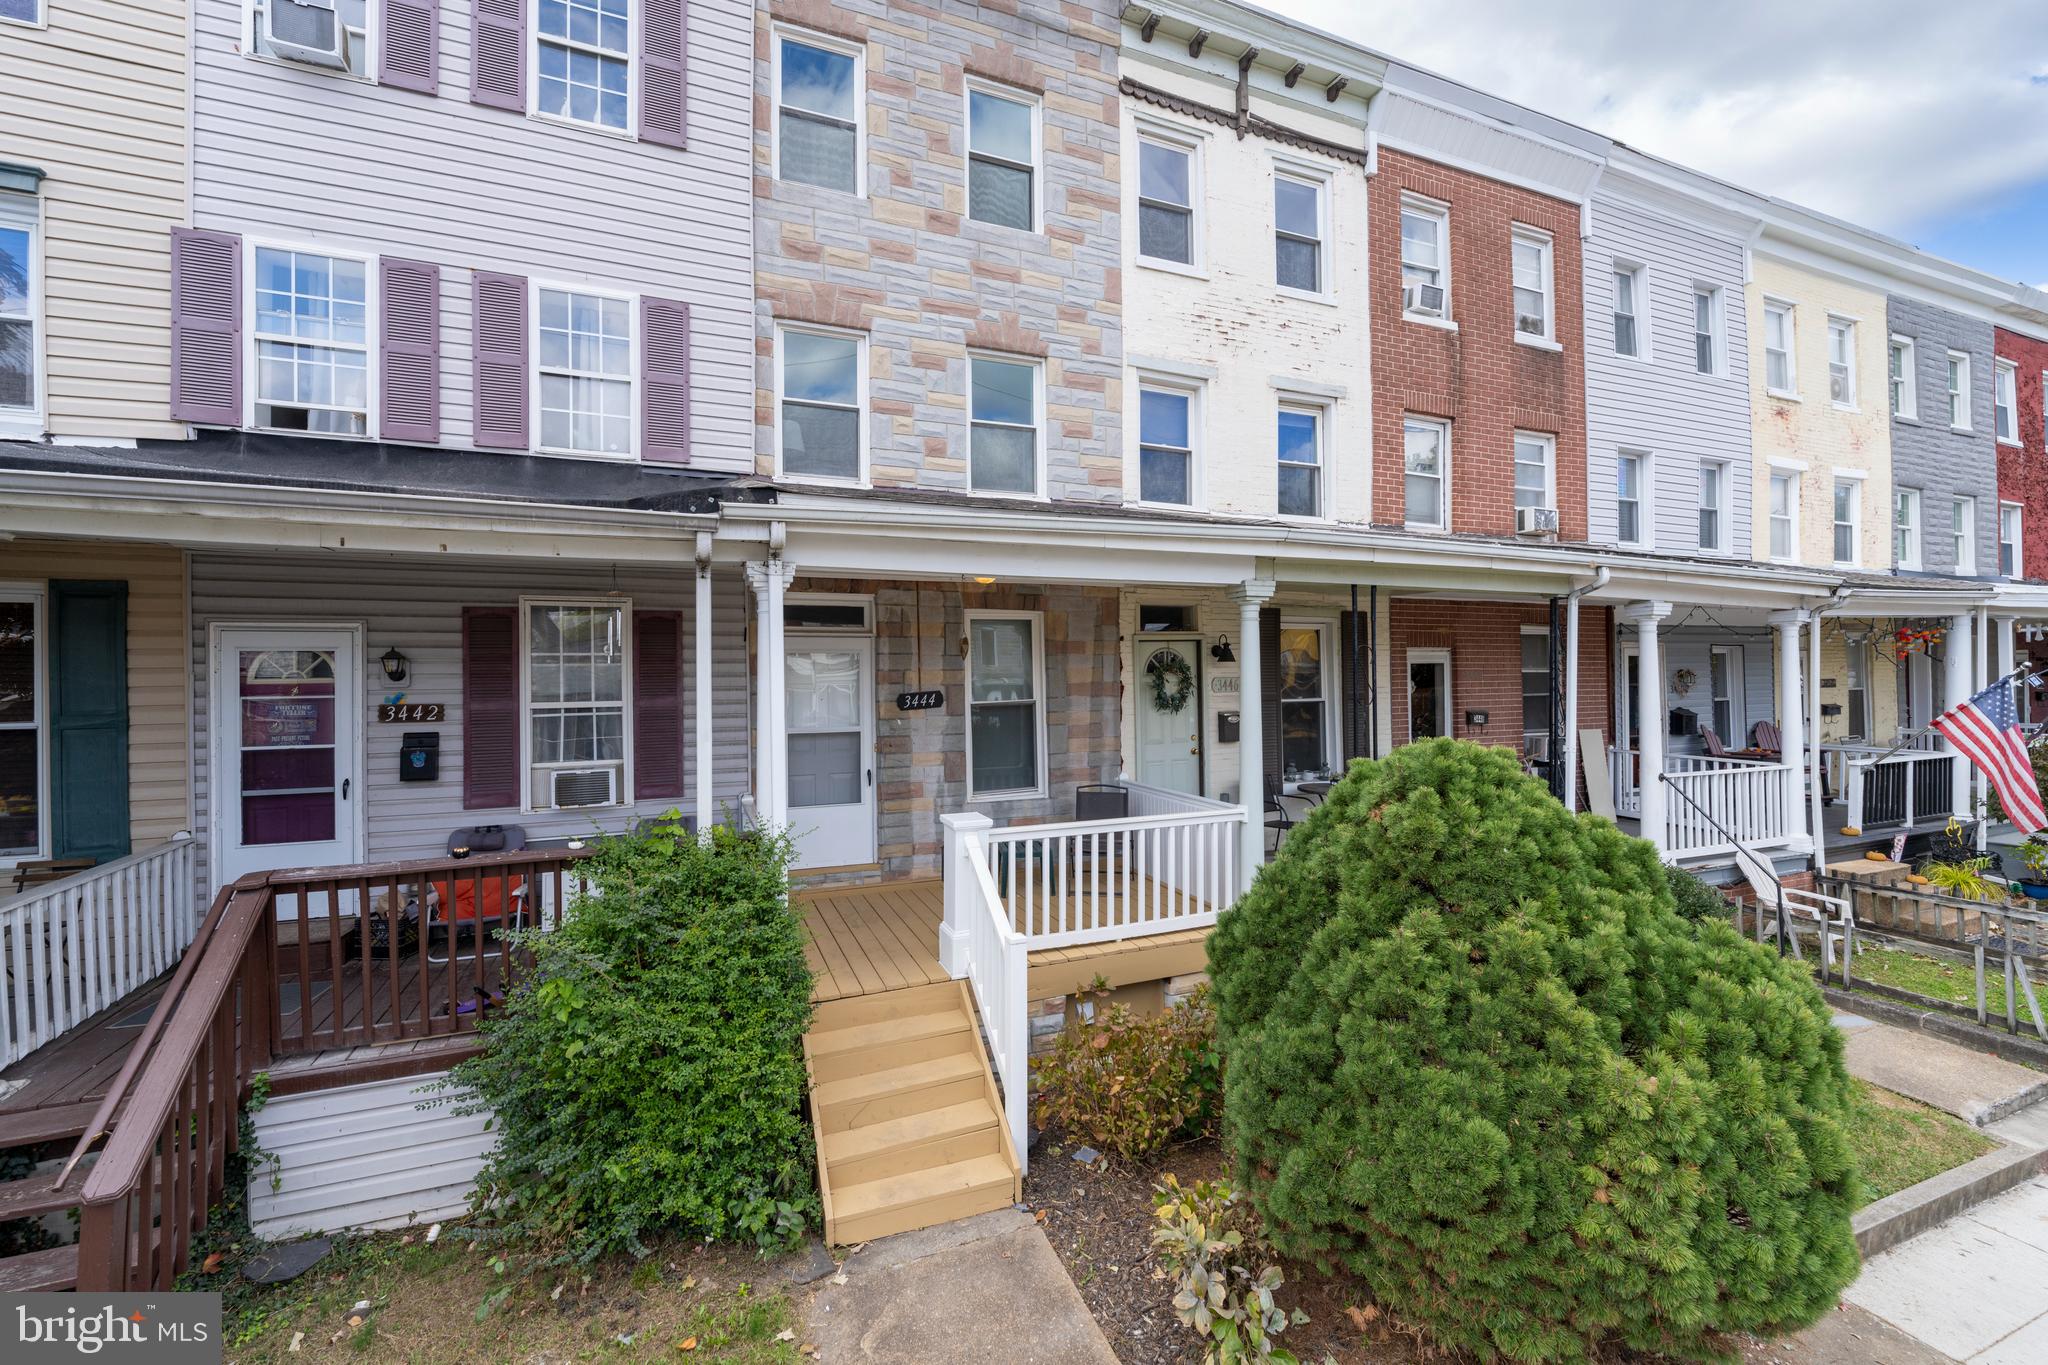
{"x":908,"y":1119}
{"x":36,"y":1271}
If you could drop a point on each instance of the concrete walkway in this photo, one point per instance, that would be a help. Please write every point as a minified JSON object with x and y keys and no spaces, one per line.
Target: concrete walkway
{"x":1976,"y":1087}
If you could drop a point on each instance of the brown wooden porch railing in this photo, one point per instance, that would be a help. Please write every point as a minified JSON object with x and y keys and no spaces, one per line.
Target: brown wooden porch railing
{"x":251,"y":989}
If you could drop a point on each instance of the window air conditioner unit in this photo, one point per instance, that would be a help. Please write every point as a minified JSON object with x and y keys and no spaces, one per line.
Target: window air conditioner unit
{"x":1536,"y":521}
{"x":306,"y":31}
{"x":1530,"y":323}
{"x":578,"y":788}
{"x":1423,"y":298}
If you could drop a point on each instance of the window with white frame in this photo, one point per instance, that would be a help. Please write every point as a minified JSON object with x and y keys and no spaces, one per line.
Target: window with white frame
{"x":1003,"y":440}
{"x":21,"y":12}
{"x":821,"y":397}
{"x":1962,"y":514}
{"x":1304,"y":701}
{"x":1166,"y":450}
{"x":1537,"y":689}
{"x":1535,"y":470}
{"x":1706,"y":329}
{"x":22,"y":755}
{"x":1842,"y":362}
{"x":584,"y":363}
{"x":1167,"y":180}
{"x":1425,"y":260}
{"x":1959,"y":390}
{"x":2011,"y":564}
{"x":311,"y":341}
{"x":818,"y":92}
{"x":1856,"y":668}
{"x":1714,"y":505}
{"x":2005,"y":397}
{"x":1298,"y":232}
{"x":1299,"y":445}
{"x":1531,"y":271}
{"x":1784,"y":514}
{"x":1848,"y":521}
{"x":1899,"y":376}
{"x":585,"y":61}
{"x":1781,"y":376}
{"x":1629,"y":330}
{"x":1426,"y":458}
{"x":355,"y":21}
{"x":1724,"y":691}
{"x":1906,"y":528}
{"x":1630,"y":471}
{"x":1002,"y":157}
{"x":19,"y":401}
{"x":1005,"y":730}
{"x":576,"y":703}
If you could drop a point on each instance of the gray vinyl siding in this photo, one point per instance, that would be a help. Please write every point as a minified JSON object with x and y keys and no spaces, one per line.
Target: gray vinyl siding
{"x":1691,"y":647}
{"x":1663,"y":406}
{"x":1926,"y":453}
{"x":417,"y":607}
{"x":310,"y":158}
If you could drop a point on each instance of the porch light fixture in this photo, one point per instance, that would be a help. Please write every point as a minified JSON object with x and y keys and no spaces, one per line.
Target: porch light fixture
{"x":983,"y":580}
{"x":394,"y":664}
{"x":1221,"y":651}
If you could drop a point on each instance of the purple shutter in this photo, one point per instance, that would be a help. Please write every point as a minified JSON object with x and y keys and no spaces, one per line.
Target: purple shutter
{"x":664,"y":380}
{"x":497,"y":53}
{"x":664,"y":77}
{"x":501,"y":395}
{"x":657,"y":705}
{"x":206,"y":327}
{"x":409,"y":42}
{"x":490,"y":707}
{"x":409,"y":357}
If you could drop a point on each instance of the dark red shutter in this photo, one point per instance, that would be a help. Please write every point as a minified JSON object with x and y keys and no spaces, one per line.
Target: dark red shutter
{"x":664,"y":80}
{"x":409,"y":356}
{"x":1269,"y":693}
{"x":497,"y":53}
{"x":664,"y":380}
{"x":501,"y":382}
{"x":490,"y":707}
{"x":657,"y":705}
{"x":409,"y":36}
{"x":206,"y":327}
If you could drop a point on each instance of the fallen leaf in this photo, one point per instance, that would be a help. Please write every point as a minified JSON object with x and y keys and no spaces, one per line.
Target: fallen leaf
{"x":687,"y":1344}
{"x":689,"y":1281}
{"x":355,"y":1319}
{"x":210,"y":1264}
{"x":1361,"y":1318}
{"x":1041,"y":1214}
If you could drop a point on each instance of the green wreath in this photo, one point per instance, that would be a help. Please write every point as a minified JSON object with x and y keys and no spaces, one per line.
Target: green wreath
{"x":1168,"y":669}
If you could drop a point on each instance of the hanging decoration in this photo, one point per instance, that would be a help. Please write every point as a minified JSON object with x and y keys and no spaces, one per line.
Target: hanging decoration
{"x":1916,"y":639}
{"x":1173,"y":682}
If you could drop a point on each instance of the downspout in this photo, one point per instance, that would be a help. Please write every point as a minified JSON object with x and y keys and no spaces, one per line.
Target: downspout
{"x":1601,"y":576}
{"x":1372,"y":670}
{"x":1818,"y":811}
{"x":704,"y":741}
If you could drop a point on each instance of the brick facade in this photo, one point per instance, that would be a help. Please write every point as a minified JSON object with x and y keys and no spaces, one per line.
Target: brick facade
{"x":2023,"y":469}
{"x":1485,"y":644}
{"x":1478,"y":376}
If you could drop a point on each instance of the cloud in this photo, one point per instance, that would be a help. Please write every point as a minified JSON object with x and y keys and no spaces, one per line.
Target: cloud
{"x":1890,"y":113}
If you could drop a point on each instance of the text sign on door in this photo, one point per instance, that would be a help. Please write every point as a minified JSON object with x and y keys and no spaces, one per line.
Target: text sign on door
{"x":920,"y":701}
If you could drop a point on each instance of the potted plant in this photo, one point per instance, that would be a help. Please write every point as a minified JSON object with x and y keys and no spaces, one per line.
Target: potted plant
{"x":2034,"y":853}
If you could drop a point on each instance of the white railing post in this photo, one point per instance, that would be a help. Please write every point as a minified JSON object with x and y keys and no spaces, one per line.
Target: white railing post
{"x":959,"y":888}
{"x":1852,"y":790}
{"x":1251,"y":595}
{"x":1650,"y":718}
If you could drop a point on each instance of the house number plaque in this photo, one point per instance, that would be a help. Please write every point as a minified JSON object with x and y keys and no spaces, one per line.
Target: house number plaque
{"x":412,"y":713}
{"x":920,"y":701}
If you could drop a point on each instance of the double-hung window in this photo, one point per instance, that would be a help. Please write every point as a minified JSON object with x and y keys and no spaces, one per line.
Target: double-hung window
{"x":585,"y":60}
{"x":1003,"y":442}
{"x":1963,"y":526}
{"x":1906,"y":528}
{"x":1899,"y":377}
{"x":820,"y":399}
{"x":1005,"y":732}
{"x":1166,"y":452}
{"x":1304,"y":709}
{"x":2005,"y":402}
{"x":1842,"y":362}
{"x":1426,"y":454}
{"x":585,"y":365}
{"x":1856,"y":668}
{"x":1959,"y":390}
{"x":817,"y":112}
{"x":18,"y":350}
{"x":312,"y":330}
{"x":1535,"y":470}
{"x":1628,"y":307}
{"x":1781,"y":375}
{"x":2010,"y":562}
{"x":1848,"y":521}
{"x":1706,"y":330}
{"x":1724,"y":690}
{"x":21,"y":11}
{"x":1299,"y":443}
{"x":1298,"y":233}
{"x":1629,"y":470}
{"x":356,"y":20}
{"x":1002,"y":158}
{"x":22,"y":754}
{"x":1784,"y":514}
{"x":1166,"y":201}
{"x":576,"y":703}
{"x":1531,"y":271}
{"x":1713,"y":505}
{"x":1425,"y":261}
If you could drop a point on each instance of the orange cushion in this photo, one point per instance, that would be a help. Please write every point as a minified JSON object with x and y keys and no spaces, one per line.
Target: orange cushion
{"x":463,"y":903}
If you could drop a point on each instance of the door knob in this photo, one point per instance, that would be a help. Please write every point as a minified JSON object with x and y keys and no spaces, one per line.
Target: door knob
{"x":1194,"y":748}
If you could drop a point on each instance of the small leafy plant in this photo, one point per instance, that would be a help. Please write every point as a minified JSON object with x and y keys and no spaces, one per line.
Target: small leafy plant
{"x":1202,"y":1239}
{"x":1130,"y":1083}
{"x":1954,"y":865}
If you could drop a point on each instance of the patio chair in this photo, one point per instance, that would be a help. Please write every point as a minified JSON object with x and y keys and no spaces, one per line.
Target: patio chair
{"x":1712,"y":741}
{"x":1765,"y":735}
{"x":1826,"y":918}
{"x":44,"y":870}
{"x":475,"y":905}
{"x":1101,"y":801}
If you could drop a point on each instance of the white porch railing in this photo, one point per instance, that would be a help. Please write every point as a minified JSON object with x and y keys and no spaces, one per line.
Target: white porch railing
{"x":1882,"y":789}
{"x":1745,"y":797}
{"x":76,"y":946}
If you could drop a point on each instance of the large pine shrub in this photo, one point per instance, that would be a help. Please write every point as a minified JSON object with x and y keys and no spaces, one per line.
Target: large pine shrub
{"x":1475,"y":1057}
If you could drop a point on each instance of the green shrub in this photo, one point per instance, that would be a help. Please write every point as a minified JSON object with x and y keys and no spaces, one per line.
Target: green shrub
{"x":1695,"y":899}
{"x":1130,"y":1084}
{"x":1474,"y":1057}
{"x":647,"y":1073}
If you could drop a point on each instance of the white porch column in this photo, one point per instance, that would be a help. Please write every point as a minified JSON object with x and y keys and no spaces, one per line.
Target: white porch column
{"x":1791,"y":717}
{"x":1957,"y":672}
{"x":953,"y":928}
{"x":1650,"y":717}
{"x":1571,"y":701}
{"x":1816,"y":794}
{"x":704,"y":777}
{"x":2002,"y":629}
{"x":769,"y":580}
{"x":1251,"y":732}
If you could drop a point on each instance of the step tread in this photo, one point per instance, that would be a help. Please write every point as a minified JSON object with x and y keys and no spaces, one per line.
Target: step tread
{"x":855,"y":1037}
{"x":931,"y":1125}
{"x":32,"y":1196}
{"x":900,"y":1191}
{"x":898,"y":1079}
{"x":866,"y":1009}
{"x":39,"y":1272}
{"x":26,"y":1127}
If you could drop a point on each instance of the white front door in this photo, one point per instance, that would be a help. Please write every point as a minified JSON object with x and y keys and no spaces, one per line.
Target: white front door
{"x":287,"y":751}
{"x":1170,"y":742}
{"x":830,"y":709}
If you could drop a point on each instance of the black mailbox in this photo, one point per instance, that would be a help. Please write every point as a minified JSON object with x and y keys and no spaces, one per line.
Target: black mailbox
{"x":1226,"y":727}
{"x":1684,"y":722}
{"x":419,"y":757}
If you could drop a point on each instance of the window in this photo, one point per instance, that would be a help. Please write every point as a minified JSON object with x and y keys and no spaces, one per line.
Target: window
{"x":1628,"y":287}
{"x":585,"y":59}
{"x":2005,"y":402}
{"x":1959,"y":390}
{"x":1962,"y":514}
{"x":22,"y":11}
{"x":1298,"y":233}
{"x":355,"y":17}
{"x":1003,"y":436}
{"x":1426,"y":453}
{"x":1300,"y":446}
{"x":1425,"y":261}
{"x":1005,"y":739}
{"x":818,"y":136}
{"x":1166,"y":453}
{"x":1842,"y":363}
{"x":21,"y":724}
{"x":576,"y":703}
{"x":1724,"y":690}
{"x":2010,"y":562}
{"x":1706,"y":330}
{"x":1784,"y":514}
{"x":1166,"y":201}
{"x":1856,"y":664}
{"x":1304,"y":711}
{"x":1906,"y":528}
{"x":1531,"y":271}
{"x":312,"y":343}
{"x":1628,"y":498}
{"x":1848,"y":520}
{"x":1534,"y":458}
{"x":1780,"y":376}
{"x":585,"y":364}
{"x":1002,"y":159}
{"x":821,"y":394}
{"x":1536,"y":692}
{"x":18,"y":303}
{"x":1905,"y":394}
{"x":1713,"y":504}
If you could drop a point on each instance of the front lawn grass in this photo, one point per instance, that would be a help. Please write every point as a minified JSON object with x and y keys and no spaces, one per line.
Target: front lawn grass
{"x":1900,"y":1142}
{"x":1951,"y":980}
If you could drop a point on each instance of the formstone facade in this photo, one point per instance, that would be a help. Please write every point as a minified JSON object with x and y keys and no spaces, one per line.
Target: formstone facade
{"x":1944,"y":462}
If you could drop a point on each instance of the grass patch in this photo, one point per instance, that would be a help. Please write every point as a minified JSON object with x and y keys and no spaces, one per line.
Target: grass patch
{"x":1937,"y":978}
{"x":1900,"y":1142}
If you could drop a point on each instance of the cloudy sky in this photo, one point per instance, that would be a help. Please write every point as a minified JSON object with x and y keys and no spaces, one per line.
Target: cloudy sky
{"x":1927,"y":121}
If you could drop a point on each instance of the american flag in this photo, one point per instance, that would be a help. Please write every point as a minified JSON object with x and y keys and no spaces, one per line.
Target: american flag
{"x":1987,"y":730}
